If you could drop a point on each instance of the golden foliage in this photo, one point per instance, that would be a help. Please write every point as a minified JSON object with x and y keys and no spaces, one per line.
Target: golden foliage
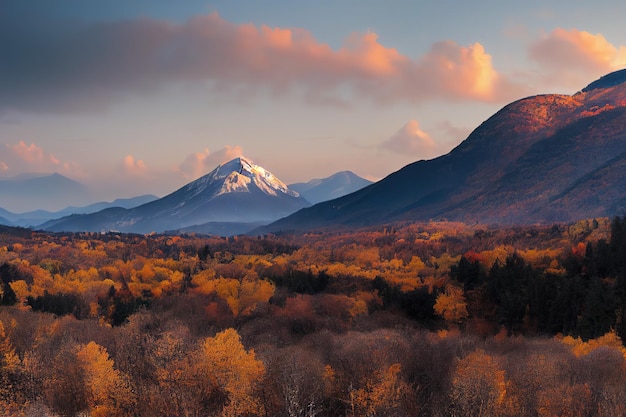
{"x":451,"y":304}
{"x":107,"y":391}
{"x":580,"y":348}
{"x":382,"y":394}
{"x":233,"y":369}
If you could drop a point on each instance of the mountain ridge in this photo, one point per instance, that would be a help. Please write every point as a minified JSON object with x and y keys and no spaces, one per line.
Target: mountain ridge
{"x":484,"y":178}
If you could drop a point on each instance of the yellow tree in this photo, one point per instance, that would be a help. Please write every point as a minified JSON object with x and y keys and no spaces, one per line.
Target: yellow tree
{"x":234,"y":370}
{"x":108,"y":393}
{"x":451,"y":304}
{"x":10,"y":368}
{"x":382,"y":394}
{"x":479,"y":388}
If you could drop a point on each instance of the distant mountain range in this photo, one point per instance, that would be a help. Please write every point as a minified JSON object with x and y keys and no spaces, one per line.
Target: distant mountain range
{"x":329,"y":188}
{"x":236,"y":192}
{"x":37,"y":217}
{"x":232,"y":199}
{"x":42,"y":191}
{"x":547,"y":158}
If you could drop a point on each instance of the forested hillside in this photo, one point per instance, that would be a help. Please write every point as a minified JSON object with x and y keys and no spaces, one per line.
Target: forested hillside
{"x":433,"y":319}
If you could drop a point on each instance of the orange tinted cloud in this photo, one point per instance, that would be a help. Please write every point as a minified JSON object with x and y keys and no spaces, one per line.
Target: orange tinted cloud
{"x":142,"y":55}
{"x":281,"y":58}
{"x":134,"y":166}
{"x":23,"y":157}
{"x":577,"y":54}
{"x":31,"y":154}
{"x":412,"y":140}
{"x":565,"y":48}
{"x":464,"y":72}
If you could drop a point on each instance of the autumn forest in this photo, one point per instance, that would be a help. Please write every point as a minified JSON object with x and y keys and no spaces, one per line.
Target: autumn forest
{"x":431,"y":319}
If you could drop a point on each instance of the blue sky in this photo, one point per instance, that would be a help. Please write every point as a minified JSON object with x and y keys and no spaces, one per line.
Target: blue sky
{"x":145,"y":96}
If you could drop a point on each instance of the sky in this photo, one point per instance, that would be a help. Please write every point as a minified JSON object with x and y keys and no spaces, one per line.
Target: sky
{"x":138,"y":97}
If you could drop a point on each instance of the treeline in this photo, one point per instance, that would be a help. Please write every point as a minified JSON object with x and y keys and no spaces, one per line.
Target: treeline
{"x":587,"y":298}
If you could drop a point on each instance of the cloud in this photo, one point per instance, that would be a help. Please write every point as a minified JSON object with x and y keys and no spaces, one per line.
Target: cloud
{"x":31,"y":154}
{"x":200,"y":163}
{"x":415,"y":143}
{"x":459,"y":72}
{"x":574,"y":56}
{"x":69,"y":66}
{"x":134,"y":167}
{"x":453,"y":133}
{"x":22,"y":157}
{"x":411,"y":140}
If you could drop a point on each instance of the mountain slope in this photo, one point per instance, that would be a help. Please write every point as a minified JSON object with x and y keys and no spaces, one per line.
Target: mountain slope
{"x":238,"y":191}
{"x":530,"y":162}
{"x":329,"y":188}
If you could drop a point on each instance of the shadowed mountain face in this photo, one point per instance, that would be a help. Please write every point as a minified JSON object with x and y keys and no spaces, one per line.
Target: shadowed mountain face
{"x":540,"y":159}
{"x":237,"y":192}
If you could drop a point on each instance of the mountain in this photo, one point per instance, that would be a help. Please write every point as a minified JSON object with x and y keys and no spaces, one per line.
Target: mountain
{"x":34,"y":190}
{"x":36,"y":217}
{"x":540,"y":159}
{"x":118,"y":202}
{"x":335,"y":186}
{"x":238,"y":192}
{"x":41,"y":191}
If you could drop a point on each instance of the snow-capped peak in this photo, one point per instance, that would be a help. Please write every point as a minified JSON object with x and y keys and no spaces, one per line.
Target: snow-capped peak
{"x":239,"y":175}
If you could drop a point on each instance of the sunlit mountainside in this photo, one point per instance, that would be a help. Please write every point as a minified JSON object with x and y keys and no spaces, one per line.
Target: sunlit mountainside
{"x":540,"y":159}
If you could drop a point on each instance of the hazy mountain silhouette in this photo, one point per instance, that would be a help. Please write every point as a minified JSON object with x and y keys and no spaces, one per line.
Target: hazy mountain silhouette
{"x":36,"y":217}
{"x":27,"y":192}
{"x":329,"y":188}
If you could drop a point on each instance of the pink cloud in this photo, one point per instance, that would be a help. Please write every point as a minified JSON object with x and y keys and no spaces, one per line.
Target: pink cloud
{"x":563,"y":49}
{"x":412,"y":140}
{"x":283,"y":58}
{"x":200,"y":163}
{"x":142,"y":55}
{"x":31,"y":154}
{"x":134,"y":166}
{"x":22,"y":157}
{"x":576,"y":56}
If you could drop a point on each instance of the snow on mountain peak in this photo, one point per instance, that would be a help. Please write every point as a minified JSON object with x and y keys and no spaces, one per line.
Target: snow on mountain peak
{"x":239,"y":175}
